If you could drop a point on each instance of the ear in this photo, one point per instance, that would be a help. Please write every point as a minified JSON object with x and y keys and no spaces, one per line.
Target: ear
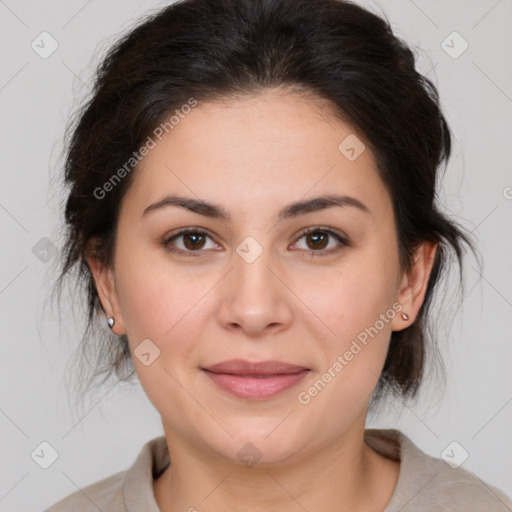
{"x":105,"y":286}
{"x":413,"y":285}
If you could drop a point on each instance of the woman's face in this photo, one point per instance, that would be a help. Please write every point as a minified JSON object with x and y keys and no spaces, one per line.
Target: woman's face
{"x":252,"y":285}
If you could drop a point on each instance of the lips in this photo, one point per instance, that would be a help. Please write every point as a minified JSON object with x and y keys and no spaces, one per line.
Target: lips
{"x":255,"y":381}
{"x":241,"y":367}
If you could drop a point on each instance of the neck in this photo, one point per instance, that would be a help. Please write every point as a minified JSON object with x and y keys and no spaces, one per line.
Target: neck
{"x":344,"y":475}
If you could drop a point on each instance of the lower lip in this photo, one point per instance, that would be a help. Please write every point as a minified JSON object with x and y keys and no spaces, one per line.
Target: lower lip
{"x":245,"y":386}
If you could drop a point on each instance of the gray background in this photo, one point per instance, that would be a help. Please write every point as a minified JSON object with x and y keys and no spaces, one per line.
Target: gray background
{"x":36,"y":98}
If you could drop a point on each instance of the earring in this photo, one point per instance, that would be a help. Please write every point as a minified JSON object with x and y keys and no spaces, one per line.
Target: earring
{"x":405,"y":316}
{"x":110,"y":323}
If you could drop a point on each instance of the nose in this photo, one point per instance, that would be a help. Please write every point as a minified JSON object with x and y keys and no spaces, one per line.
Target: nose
{"x":255,"y":297}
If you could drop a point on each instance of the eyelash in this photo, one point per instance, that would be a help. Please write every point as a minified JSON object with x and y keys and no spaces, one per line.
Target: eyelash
{"x":311,"y":253}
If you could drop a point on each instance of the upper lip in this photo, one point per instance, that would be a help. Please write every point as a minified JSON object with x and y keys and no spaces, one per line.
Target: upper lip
{"x":242,"y":367}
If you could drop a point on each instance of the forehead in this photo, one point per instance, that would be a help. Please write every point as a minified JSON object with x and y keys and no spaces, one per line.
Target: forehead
{"x":265,"y":148}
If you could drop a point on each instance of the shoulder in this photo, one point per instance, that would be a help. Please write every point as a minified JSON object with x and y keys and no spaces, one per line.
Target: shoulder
{"x":105,"y":495}
{"x":460,"y":489}
{"x":430,"y":483}
{"x":132,"y":487}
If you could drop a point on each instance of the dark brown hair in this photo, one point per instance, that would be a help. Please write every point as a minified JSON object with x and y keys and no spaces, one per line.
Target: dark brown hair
{"x":210,"y":49}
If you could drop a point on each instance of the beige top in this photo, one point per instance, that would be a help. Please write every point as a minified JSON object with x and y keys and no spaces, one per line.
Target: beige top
{"x":424,"y":484}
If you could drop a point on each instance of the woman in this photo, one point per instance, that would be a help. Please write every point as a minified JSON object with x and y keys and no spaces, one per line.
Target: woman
{"x":251,"y":205}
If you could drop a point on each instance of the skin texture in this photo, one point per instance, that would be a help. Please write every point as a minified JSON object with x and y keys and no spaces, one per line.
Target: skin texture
{"x":252,"y":156}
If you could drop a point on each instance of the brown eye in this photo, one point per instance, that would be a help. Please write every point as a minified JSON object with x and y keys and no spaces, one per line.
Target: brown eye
{"x":193,"y":241}
{"x":322,"y":242}
{"x":317,"y":239}
{"x":188,"y":241}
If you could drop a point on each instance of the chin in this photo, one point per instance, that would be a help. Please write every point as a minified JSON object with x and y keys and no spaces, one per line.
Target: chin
{"x":260,"y":442}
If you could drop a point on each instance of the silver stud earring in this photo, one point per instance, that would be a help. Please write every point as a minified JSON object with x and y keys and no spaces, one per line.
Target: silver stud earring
{"x":110,"y":323}
{"x":405,"y":316}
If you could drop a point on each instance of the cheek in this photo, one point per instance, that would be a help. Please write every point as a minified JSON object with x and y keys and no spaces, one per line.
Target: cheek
{"x":162,"y":304}
{"x":359,"y":311}
{"x":354,"y":297}
{"x":356,"y":304}
{"x":158,"y":300}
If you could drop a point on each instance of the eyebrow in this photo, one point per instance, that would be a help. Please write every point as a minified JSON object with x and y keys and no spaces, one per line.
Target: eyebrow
{"x":289,"y":211}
